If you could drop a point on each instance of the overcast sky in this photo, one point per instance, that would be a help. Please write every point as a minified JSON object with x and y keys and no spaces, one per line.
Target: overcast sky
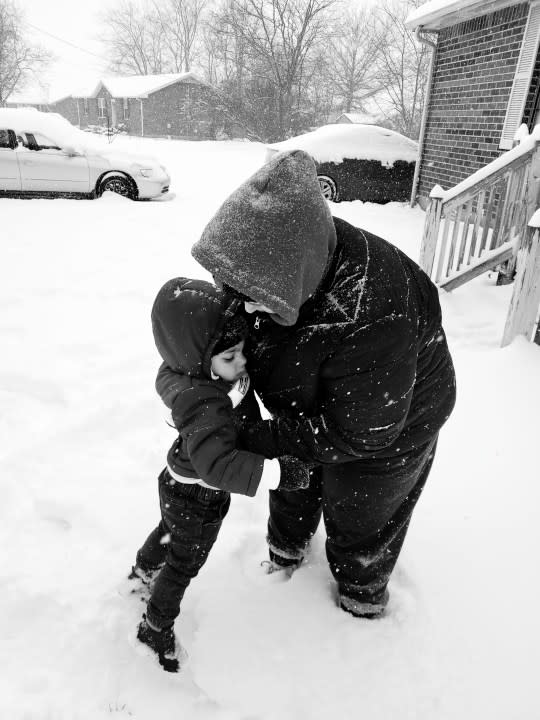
{"x":74,"y":22}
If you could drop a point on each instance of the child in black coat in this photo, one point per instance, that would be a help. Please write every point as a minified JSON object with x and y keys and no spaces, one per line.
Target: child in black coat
{"x":201,"y":338}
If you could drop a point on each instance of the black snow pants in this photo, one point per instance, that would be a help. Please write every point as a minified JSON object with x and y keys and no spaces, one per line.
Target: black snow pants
{"x":191,"y":516}
{"x":367,"y":507}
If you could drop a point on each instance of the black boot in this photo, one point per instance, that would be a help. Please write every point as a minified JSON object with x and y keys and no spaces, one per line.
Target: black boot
{"x":367,"y":609}
{"x":284,"y":562}
{"x":279,"y":563}
{"x":162,"y":642}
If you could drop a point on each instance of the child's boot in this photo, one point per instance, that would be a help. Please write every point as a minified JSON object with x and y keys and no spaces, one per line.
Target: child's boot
{"x":163,"y":643}
{"x":278,"y":563}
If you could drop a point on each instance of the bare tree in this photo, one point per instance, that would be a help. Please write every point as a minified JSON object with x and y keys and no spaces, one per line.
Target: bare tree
{"x":277,"y":40}
{"x":213,"y":54}
{"x":402,"y":68}
{"x":149,"y":37}
{"x":134,"y":39}
{"x":180,"y":24}
{"x":355,"y":53}
{"x":20,"y":60}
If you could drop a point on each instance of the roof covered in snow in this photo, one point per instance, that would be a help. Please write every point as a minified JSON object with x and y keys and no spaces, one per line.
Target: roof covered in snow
{"x":138,"y":86}
{"x":28,"y":99}
{"x":436,"y":14}
{"x":358,"y":118}
{"x":334,"y":143}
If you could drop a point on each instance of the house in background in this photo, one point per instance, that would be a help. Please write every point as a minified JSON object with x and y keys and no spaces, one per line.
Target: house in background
{"x":484,"y":84}
{"x":353,"y":118}
{"x":35,"y":100}
{"x":174,"y":105}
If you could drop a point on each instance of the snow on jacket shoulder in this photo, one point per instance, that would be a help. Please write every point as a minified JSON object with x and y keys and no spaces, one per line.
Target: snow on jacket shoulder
{"x":365,"y":372}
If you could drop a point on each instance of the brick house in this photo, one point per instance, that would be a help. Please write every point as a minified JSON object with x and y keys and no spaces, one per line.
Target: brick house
{"x":484,"y":83}
{"x":31,"y":100}
{"x":356,"y":119}
{"x":175,"y":105}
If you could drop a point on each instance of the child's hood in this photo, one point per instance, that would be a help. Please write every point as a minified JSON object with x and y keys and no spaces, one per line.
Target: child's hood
{"x":187,"y":319}
{"x":272,"y":238}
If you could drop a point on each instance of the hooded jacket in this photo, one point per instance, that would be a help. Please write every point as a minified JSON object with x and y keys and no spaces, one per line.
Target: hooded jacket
{"x":187,"y":319}
{"x":356,"y":368}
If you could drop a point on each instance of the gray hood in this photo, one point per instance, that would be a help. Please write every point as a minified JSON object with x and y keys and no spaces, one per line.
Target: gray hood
{"x":272,"y":238}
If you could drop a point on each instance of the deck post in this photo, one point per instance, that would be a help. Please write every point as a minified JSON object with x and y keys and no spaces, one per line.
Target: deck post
{"x":525,"y":303}
{"x":431,"y":230}
{"x":507,"y":271}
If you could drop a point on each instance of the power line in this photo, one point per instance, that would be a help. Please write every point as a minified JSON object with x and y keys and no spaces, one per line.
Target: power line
{"x":66,"y":42}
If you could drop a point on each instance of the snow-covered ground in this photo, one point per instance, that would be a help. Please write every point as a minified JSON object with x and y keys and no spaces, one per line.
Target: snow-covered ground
{"x":83,"y":440}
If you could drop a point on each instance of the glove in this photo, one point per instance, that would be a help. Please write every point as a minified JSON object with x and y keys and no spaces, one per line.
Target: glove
{"x":294,"y":474}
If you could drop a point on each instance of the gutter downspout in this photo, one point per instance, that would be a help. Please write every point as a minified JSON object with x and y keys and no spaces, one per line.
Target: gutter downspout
{"x":424,"y":41}
{"x":78,"y":113}
{"x":142,"y":118}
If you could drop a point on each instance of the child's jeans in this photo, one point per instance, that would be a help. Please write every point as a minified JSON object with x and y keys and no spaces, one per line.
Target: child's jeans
{"x":191,"y":516}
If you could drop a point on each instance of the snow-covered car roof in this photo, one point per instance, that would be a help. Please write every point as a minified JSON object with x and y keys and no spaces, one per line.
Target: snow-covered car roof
{"x":334,"y":143}
{"x":64,"y":134}
{"x":52,"y":125}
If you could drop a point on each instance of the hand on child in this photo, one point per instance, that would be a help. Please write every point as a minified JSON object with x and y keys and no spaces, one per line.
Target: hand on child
{"x":294,"y":474}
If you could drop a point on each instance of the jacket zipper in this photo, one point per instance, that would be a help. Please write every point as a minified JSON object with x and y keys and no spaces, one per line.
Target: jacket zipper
{"x":257,"y":322}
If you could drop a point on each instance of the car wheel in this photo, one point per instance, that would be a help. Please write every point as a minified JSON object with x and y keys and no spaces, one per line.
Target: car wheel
{"x":328,"y":188}
{"x":119,"y":184}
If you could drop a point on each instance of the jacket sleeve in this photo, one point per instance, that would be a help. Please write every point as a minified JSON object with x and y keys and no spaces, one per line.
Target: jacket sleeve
{"x":168,"y":384}
{"x":365,"y":391}
{"x":203,"y":416}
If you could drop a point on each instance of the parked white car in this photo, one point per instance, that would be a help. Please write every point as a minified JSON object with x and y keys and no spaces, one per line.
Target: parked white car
{"x":42,"y":153}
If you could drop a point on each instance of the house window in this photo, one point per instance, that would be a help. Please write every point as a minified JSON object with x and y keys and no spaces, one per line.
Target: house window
{"x":126,"y":109}
{"x":101,"y":107}
{"x":85,"y":106}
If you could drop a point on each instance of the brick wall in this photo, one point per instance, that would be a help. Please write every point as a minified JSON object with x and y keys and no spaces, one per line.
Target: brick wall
{"x":182,"y":110}
{"x":474,"y":72}
{"x":133,"y":122}
{"x":68,"y":109}
{"x":76,"y":108}
{"x":178,"y":111}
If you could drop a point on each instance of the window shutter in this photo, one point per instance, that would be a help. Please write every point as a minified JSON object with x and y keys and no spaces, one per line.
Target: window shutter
{"x":522,"y":79}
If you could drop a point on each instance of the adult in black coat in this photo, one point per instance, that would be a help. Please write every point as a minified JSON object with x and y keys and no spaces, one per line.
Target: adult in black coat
{"x":348,"y":354}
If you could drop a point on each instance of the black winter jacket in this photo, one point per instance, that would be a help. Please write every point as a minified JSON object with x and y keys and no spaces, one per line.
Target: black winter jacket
{"x":187,"y":318}
{"x":365,"y":372}
{"x":353,"y":364}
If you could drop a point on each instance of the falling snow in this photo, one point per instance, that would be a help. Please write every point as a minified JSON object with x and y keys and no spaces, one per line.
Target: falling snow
{"x":83,"y":440}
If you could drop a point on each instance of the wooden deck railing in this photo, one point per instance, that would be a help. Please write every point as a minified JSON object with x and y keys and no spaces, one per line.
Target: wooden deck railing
{"x":478,"y":224}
